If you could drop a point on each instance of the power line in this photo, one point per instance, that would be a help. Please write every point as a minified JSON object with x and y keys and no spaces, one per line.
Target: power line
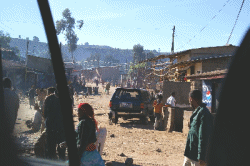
{"x":235,"y":22}
{"x":206,"y":25}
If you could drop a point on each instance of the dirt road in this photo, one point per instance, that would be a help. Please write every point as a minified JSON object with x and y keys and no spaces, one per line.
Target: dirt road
{"x":130,"y":138}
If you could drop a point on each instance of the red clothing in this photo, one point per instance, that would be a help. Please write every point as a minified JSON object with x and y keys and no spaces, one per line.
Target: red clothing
{"x":91,"y":147}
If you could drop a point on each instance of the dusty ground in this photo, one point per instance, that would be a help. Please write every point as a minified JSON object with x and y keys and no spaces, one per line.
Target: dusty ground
{"x":135,"y":140}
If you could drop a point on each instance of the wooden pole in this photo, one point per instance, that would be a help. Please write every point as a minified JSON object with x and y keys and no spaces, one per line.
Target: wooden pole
{"x":172,"y":49}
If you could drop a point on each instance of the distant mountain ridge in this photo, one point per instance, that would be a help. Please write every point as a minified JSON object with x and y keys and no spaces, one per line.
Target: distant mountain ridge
{"x":82,"y":52}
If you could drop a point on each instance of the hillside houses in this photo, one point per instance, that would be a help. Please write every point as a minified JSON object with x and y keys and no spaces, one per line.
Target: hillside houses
{"x":201,"y":60}
{"x":199,"y":68}
{"x":205,"y":69}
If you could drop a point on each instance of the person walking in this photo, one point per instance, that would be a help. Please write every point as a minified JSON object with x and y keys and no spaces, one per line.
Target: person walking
{"x":96,"y":82}
{"x":54,"y":126}
{"x":50,"y":91}
{"x":11,"y":103}
{"x":32,"y":96}
{"x":171,"y":100}
{"x":86,"y":137}
{"x":201,"y":126}
{"x":107,"y":88}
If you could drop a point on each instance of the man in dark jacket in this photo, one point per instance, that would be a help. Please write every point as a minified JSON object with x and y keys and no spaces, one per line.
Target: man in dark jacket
{"x":201,"y":126}
{"x":11,"y":103}
{"x":54,"y":126}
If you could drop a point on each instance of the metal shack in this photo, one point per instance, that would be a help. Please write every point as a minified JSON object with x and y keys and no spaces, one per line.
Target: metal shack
{"x":39,"y":72}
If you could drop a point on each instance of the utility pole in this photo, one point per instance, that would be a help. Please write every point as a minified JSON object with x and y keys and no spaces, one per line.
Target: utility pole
{"x":172,"y":49}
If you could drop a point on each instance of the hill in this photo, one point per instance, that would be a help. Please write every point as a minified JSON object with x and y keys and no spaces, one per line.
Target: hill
{"x":82,"y":52}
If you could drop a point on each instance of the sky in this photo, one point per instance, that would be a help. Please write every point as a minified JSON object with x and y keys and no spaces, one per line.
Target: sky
{"x":124,"y":23}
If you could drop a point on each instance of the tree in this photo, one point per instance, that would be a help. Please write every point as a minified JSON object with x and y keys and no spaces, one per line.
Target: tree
{"x":109,"y":59}
{"x":10,"y":52}
{"x":139,"y":53}
{"x":67,"y":25}
{"x":5,"y":40}
{"x":150,"y":55}
{"x":94,"y":59}
{"x":15,"y":50}
{"x":35,"y":39}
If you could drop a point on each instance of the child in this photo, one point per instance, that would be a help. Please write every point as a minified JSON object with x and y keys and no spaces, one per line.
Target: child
{"x":158,"y":112}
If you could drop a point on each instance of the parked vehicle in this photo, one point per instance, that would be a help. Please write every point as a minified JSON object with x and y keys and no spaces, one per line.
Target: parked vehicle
{"x":131,"y":103}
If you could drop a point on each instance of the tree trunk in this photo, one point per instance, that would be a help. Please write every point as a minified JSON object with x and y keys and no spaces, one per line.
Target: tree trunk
{"x":73,"y":59}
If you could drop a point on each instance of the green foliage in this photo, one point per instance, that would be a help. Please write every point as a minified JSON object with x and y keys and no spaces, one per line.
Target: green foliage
{"x":9,"y":53}
{"x":5,"y":40}
{"x":150,"y":55}
{"x":67,"y":25}
{"x":94,"y":59}
{"x":140,"y":65}
{"x":134,"y":67}
{"x":109,"y":59}
{"x":139,"y":53}
{"x":35,"y":39}
{"x":15,"y":50}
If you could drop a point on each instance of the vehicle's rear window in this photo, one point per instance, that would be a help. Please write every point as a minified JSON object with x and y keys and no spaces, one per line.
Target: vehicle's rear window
{"x":126,"y":94}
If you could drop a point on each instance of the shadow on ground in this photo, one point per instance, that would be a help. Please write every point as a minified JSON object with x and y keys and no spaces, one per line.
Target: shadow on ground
{"x":133,"y":123}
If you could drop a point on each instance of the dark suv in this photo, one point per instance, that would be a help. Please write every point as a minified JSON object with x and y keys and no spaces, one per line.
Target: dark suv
{"x":131,"y":103}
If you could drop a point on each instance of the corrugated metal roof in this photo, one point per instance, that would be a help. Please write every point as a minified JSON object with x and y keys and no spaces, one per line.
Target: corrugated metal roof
{"x":186,"y":51}
{"x":195,"y":59}
{"x":39,"y":64}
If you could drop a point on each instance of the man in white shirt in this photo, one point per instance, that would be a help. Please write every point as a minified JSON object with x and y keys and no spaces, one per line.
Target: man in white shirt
{"x":37,"y":122}
{"x":171,"y":100}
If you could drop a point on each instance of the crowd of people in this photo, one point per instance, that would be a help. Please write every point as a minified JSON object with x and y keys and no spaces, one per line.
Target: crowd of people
{"x":48,"y":118}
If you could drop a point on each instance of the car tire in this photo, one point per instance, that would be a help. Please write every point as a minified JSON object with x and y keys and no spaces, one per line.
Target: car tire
{"x":115,"y":119}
